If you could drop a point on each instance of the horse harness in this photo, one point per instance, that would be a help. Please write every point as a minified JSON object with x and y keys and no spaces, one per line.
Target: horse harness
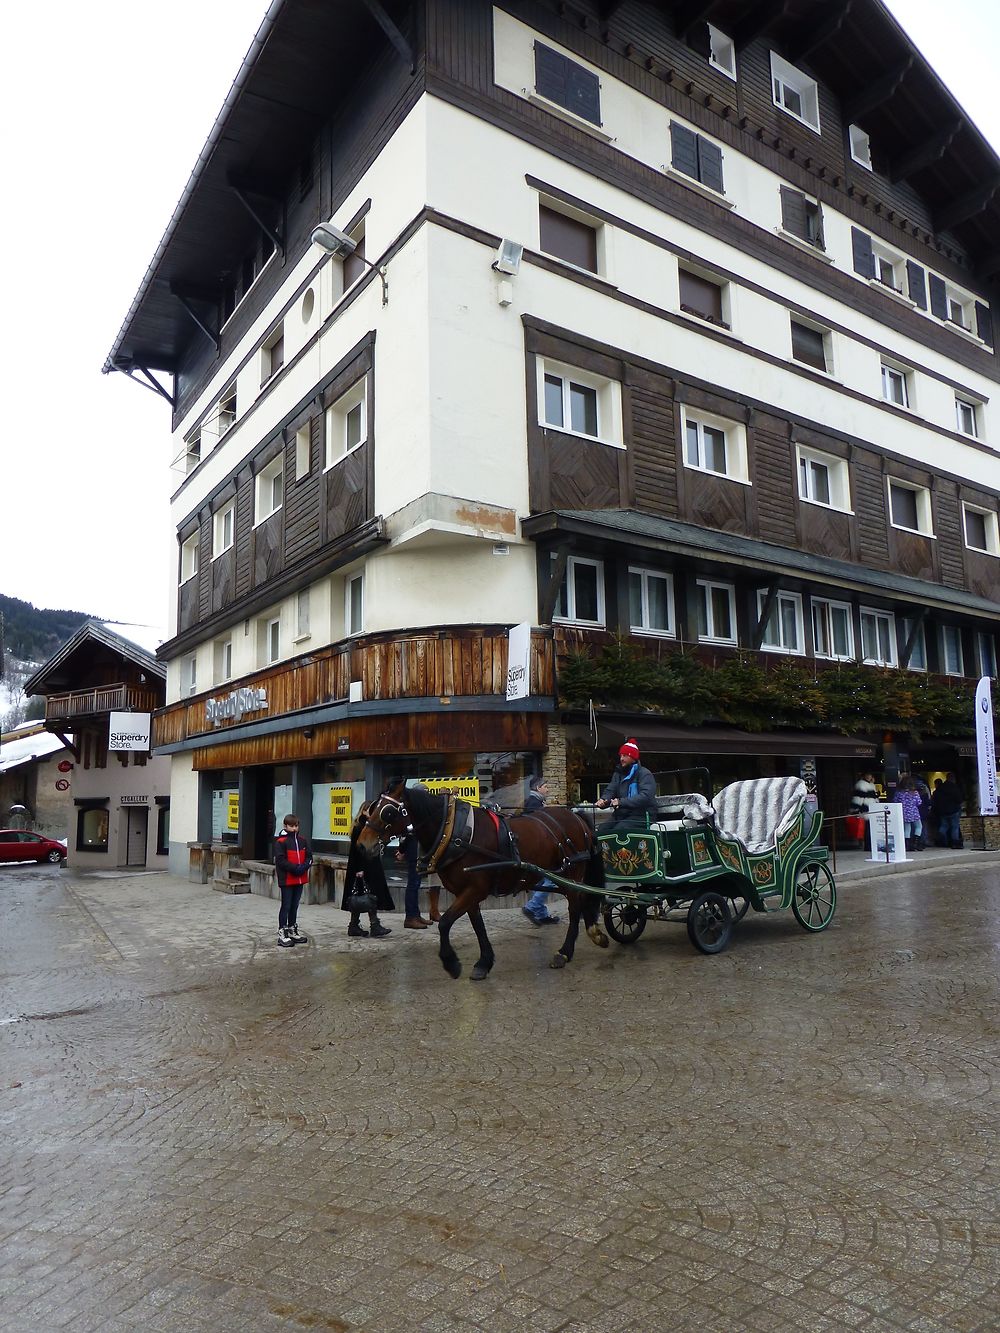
{"x":456,"y":838}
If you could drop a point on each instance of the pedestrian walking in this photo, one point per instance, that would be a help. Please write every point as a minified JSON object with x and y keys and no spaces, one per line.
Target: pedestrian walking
{"x":292,"y":861}
{"x":409,"y":851}
{"x":536,"y":909}
{"x":909,"y":798}
{"x":364,"y":876}
{"x":864,"y":794}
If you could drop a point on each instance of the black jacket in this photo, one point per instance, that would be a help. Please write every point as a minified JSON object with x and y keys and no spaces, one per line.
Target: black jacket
{"x":534,"y":802}
{"x":947,"y":799}
{"x":644,"y":800}
{"x":375,"y":880}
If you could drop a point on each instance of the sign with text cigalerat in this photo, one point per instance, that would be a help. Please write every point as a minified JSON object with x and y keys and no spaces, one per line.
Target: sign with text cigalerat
{"x":128,"y":731}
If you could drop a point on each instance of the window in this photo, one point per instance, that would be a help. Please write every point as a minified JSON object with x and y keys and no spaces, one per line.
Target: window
{"x":353,"y":265}
{"x":223,"y":660}
{"x":567,"y":238}
{"x":721,"y":52}
{"x":783,"y":630}
{"x":823,"y":479}
{"x":569,"y":85}
{"x":578,"y":402}
{"x":347,"y":423}
{"x":712,"y":444}
{"x":271,"y":641}
{"x":162,"y":830}
{"x":223,"y":529}
{"x":270,"y":488}
{"x":986,"y":653}
{"x":650,"y":601}
{"x":895,"y":386}
{"x":833,"y":630}
{"x":878,"y":637}
{"x":980,"y":529}
{"x":190,"y":675}
{"x":354,"y":611}
{"x":92,"y":829}
{"x":226,"y":414}
{"x":303,"y":451}
{"x":794,"y":92}
{"x":302,"y":602}
{"x":917,"y":660}
{"x":951,"y":651}
{"x":910,"y":507}
{"x":801,"y":217}
{"x":966,"y":416}
{"x":716,"y":610}
{"x":581,"y":593}
{"x":951,"y":305}
{"x":704,"y":298}
{"x":192,"y":452}
{"x":189,"y":558}
{"x":861,"y":148}
{"x":809,"y":345}
{"x":695,"y":156}
{"x":272,"y":354}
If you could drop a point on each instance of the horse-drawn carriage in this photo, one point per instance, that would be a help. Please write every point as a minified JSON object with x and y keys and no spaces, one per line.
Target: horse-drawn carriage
{"x":754,"y":846}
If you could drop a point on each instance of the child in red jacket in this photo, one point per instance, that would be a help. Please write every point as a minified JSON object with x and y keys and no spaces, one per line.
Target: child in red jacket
{"x":292,"y":859}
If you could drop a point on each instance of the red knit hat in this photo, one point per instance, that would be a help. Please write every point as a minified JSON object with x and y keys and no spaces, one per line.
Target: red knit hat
{"x":630,"y":750}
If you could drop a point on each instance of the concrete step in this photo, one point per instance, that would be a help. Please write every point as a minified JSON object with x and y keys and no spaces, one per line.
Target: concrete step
{"x":239,"y":872}
{"x":231,"y":885}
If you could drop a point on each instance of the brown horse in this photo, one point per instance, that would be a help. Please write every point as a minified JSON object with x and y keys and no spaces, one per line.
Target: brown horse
{"x":553,"y":839}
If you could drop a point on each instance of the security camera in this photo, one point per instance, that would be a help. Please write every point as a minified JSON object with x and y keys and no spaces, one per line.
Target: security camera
{"x":508,"y":259}
{"x":333,"y":239}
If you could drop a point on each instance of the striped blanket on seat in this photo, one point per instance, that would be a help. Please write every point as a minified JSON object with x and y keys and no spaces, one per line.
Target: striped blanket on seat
{"x":757,"y":811}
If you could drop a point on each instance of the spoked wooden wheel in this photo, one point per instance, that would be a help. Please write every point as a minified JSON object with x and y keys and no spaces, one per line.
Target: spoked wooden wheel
{"x":625,"y":922}
{"x":738,"y":906}
{"x":814,"y":898}
{"x":709,"y":922}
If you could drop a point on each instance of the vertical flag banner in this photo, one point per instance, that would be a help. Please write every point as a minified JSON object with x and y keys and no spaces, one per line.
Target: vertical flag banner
{"x":986,"y":754}
{"x":518,"y":662}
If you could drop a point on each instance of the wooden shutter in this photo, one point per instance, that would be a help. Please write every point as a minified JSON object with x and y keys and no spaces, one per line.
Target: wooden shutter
{"x":567,"y":84}
{"x":701,"y":297}
{"x":916,"y":282}
{"x":808,"y":345}
{"x":984,"y":323}
{"x":939,"y":297}
{"x":568,"y":239}
{"x":864,"y":255}
{"x":683,"y":150}
{"x":794,"y":214}
{"x":710,"y":164}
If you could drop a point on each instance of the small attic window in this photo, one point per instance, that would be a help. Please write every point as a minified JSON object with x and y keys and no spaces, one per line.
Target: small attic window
{"x":861,"y":148}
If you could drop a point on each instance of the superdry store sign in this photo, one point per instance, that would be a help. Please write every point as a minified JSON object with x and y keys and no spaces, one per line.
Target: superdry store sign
{"x":235,"y":706}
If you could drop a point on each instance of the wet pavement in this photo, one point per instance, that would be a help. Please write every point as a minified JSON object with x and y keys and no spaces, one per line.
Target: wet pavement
{"x":202,"y":1131}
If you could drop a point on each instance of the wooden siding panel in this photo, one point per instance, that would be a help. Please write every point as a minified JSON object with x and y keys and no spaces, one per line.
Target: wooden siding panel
{"x":869,"y":508}
{"x":914,"y":555}
{"x":267,"y":536}
{"x":346,"y":494}
{"x":244,"y":534}
{"x":302,"y":525}
{"x":774,"y":481}
{"x":653,"y":445}
{"x":950,"y":537}
{"x":581,"y":475}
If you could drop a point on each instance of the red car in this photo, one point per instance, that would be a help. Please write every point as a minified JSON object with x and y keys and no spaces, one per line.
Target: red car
{"x":20,"y":845}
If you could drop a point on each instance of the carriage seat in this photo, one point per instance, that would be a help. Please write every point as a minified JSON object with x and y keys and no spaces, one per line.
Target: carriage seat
{"x":758,"y":810}
{"x":680,"y":812}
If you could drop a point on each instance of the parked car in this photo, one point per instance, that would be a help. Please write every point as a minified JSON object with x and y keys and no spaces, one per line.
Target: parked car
{"x":19,"y":845}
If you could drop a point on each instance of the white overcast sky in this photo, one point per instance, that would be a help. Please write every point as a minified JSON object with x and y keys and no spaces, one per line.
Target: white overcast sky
{"x":106,"y":106}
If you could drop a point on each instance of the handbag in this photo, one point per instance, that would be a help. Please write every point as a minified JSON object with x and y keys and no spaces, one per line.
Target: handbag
{"x":360,"y":899}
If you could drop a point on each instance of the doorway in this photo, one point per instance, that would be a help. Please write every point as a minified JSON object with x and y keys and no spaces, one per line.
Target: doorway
{"x":136,"y":835}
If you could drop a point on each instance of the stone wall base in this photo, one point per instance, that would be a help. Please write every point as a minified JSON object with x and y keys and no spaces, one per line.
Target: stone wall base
{"x":981,"y":832}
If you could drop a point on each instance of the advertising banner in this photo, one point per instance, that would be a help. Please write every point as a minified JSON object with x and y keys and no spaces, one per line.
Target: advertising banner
{"x":986,"y":755}
{"x":233,"y":812}
{"x":466,"y":788}
{"x":518,"y":662}
{"x":887,"y":844}
{"x":128,"y":731}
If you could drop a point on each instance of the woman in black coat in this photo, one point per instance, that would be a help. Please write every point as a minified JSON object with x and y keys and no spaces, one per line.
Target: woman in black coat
{"x":365,"y":874}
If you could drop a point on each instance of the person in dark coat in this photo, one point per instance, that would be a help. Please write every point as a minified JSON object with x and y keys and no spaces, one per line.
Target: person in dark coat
{"x":292,"y":860}
{"x":409,"y":851}
{"x":631,"y":793}
{"x":536,"y":909}
{"x":947,"y":806}
{"x":364,"y":874}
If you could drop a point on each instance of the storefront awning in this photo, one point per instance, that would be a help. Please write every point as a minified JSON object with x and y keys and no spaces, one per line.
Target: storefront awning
{"x":661,"y":738}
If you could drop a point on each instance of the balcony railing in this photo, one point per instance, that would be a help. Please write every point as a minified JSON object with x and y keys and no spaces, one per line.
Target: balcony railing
{"x":100,"y":699}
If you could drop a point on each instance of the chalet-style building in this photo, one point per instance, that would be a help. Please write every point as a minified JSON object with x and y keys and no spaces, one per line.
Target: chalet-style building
{"x":120,"y":815}
{"x":666,"y":328}
{"x":34,"y":782}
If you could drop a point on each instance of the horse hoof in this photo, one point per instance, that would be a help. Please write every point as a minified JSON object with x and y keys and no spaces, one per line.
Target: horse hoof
{"x":453,"y":967}
{"x":598,"y":936}
{"x":479,"y":973}
{"x":558,"y":960}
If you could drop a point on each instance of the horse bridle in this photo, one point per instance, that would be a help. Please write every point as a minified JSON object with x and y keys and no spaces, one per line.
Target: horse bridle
{"x":377,"y":815}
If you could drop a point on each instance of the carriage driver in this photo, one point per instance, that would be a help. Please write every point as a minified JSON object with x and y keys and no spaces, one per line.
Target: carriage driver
{"x":631,"y":793}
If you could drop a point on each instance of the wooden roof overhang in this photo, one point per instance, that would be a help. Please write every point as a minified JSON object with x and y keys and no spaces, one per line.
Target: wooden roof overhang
{"x":307,"y":59}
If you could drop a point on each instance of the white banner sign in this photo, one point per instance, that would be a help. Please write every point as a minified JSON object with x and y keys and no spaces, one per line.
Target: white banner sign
{"x":128,"y":731}
{"x":518,"y":662}
{"x":888,"y":841}
{"x":986,"y":754}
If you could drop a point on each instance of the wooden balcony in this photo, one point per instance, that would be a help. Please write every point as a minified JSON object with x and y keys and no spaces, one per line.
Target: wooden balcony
{"x":100,"y":699}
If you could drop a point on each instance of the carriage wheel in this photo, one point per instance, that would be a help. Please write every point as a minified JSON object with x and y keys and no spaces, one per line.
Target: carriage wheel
{"x":709,"y":922}
{"x":739,"y":905}
{"x":625,"y":922}
{"x":814,"y":898}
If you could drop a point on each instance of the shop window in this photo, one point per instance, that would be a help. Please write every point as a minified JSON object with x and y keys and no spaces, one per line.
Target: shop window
{"x":581,"y":593}
{"x":92,"y":829}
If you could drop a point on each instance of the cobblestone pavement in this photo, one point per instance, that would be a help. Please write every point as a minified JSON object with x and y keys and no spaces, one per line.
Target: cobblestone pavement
{"x":203,"y":1132}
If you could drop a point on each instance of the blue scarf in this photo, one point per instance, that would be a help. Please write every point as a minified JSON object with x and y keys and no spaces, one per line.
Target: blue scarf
{"x":633,"y":783}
